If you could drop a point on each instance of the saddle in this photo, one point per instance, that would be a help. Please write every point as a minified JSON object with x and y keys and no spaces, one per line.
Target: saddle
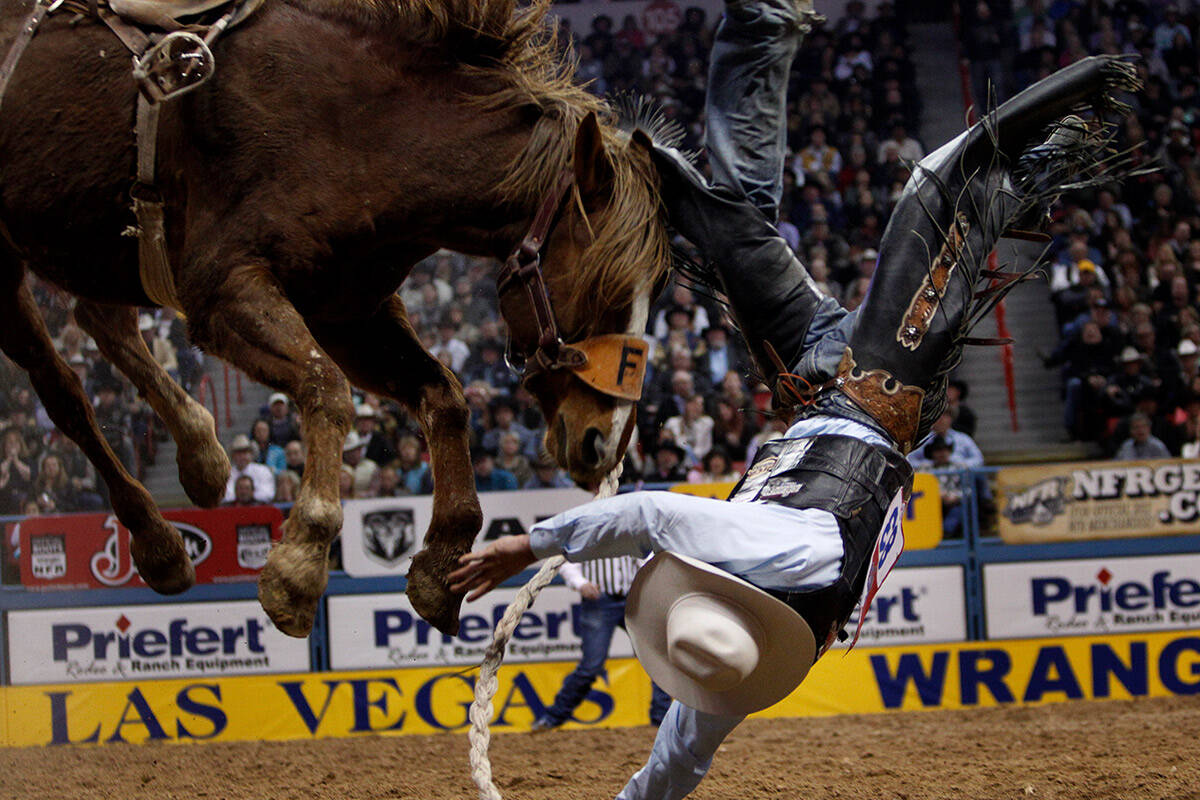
{"x":165,"y":14}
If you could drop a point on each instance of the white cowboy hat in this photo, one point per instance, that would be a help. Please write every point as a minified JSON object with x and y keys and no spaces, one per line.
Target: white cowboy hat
{"x":353,"y":440}
{"x":241,"y":442}
{"x":713,"y":641}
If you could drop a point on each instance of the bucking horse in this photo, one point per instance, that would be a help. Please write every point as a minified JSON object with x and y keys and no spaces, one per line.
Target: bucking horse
{"x":331,"y":145}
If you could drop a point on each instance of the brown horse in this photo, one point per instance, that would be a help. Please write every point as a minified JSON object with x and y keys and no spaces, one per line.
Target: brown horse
{"x":339,"y":142}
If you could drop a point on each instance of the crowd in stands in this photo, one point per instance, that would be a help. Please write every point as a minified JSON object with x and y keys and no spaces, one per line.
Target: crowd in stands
{"x":1125,"y":260}
{"x":44,"y":472}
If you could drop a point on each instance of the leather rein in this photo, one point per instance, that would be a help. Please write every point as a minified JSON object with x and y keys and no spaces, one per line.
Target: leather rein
{"x":602,"y":361}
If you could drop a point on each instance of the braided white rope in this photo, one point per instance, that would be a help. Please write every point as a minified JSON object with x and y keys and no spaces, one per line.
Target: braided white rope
{"x":480,"y":714}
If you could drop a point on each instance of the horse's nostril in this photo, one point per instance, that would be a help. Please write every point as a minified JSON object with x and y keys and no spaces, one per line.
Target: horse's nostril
{"x":592,"y":447}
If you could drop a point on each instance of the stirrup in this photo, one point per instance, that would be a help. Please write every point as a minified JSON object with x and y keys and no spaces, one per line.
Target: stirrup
{"x":179,"y":63}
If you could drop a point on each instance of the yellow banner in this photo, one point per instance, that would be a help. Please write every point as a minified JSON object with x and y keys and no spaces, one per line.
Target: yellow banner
{"x":1098,"y":500}
{"x":922,"y":523}
{"x":336,"y":704}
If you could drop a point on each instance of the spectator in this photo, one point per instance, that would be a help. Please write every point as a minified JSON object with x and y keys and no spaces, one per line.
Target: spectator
{"x":1141,"y":445}
{"x":355,"y":460}
{"x":112,"y":415}
{"x":504,"y":420}
{"x":692,"y":430}
{"x":964,"y":418}
{"x":287,"y":486}
{"x":449,"y":348}
{"x":52,"y":488}
{"x":366,"y":423}
{"x":938,"y":455}
{"x":547,"y":475}
{"x":279,"y":417}
{"x":714,"y":468}
{"x":243,"y":492}
{"x":965,"y":453}
{"x":293,"y":457}
{"x":510,"y":459}
{"x":410,"y":467}
{"x":387,"y":483}
{"x":267,"y":452}
{"x":721,"y":354}
{"x":489,"y":477}
{"x":667,"y":466}
{"x":16,"y":471}
{"x":241,"y":453}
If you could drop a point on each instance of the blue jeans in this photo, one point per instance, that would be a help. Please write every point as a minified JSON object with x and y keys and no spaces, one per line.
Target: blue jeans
{"x":746,"y":139}
{"x":598,"y":619}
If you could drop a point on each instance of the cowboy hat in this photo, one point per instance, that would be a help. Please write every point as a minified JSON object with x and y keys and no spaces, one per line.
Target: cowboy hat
{"x":241,"y":442}
{"x":713,"y":641}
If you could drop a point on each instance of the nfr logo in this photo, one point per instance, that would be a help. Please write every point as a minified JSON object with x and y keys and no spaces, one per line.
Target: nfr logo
{"x":1050,"y":594}
{"x":1038,"y":504}
{"x":633,"y":359}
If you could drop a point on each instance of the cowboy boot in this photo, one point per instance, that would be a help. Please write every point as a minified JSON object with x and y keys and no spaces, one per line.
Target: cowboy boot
{"x":910,"y":331}
{"x":773,"y":298}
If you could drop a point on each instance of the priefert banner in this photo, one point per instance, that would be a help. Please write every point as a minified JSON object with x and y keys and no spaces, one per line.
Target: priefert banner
{"x":68,"y":645}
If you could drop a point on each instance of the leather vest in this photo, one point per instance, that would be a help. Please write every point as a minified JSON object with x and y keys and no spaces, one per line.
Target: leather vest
{"x":851,"y":479}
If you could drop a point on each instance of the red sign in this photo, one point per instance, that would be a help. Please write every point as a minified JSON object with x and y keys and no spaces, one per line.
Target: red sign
{"x":661,"y":17}
{"x":92,"y":550}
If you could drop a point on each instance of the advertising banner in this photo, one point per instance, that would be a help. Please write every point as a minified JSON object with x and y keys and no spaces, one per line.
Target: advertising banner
{"x":68,"y":645}
{"x":382,"y":631}
{"x":429,"y":700}
{"x":915,"y":605}
{"x":91,"y":551}
{"x":380,"y":537}
{"x":922,"y":518}
{"x":1103,"y":595}
{"x":1098,"y":500}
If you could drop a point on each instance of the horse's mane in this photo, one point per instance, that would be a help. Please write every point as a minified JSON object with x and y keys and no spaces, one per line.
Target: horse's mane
{"x":517,"y":56}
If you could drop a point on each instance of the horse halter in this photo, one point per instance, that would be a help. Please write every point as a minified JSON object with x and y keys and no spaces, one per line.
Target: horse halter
{"x":612,"y":364}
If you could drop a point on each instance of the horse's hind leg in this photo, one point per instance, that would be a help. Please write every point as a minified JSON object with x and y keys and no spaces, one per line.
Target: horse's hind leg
{"x":383,"y":354}
{"x":249,"y":322}
{"x":203,"y":464}
{"x":157,"y":548}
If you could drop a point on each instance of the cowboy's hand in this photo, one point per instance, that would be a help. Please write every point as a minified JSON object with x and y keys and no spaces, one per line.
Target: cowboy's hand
{"x":589,"y":591}
{"x":484,"y":570}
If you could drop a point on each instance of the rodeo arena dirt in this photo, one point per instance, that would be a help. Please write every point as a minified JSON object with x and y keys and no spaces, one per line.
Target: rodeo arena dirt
{"x":679,"y":303}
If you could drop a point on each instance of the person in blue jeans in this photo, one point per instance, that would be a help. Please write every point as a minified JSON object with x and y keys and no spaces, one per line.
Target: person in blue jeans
{"x":757,"y":587}
{"x":603,"y":585}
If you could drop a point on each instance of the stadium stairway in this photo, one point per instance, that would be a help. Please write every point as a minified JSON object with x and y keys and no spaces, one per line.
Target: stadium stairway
{"x":162,"y":477}
{"x":1039,"y":433}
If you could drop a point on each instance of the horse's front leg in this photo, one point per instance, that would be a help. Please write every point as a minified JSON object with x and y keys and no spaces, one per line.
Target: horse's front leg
{"x":156,"y":546}
{"x":384,"y":355}
{"x":203,"y":464}
{"x":248,"y":321}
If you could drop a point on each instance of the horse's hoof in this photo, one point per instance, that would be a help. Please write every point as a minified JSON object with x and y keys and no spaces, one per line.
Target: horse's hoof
{"x":291,"y":585}
{"x":429,"y":592}
{"x":163,"y":565}
{"x":203,"y":474}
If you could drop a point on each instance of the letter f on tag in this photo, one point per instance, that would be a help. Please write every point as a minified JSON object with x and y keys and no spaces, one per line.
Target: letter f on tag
{"x":631,"y":359}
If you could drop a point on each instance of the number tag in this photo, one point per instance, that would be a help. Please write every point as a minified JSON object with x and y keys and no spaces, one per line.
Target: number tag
{"x":888,"y":546}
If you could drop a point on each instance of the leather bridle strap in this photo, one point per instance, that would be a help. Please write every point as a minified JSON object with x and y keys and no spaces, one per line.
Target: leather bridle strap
{"x":40,"y":9}
{"x":523,"y":270}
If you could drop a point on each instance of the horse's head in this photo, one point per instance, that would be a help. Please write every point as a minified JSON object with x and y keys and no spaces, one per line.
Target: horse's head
{"x":605,"y":253}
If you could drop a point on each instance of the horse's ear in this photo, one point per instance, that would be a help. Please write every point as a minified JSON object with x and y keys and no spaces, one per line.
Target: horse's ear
{"x":593,"y":170}
{"x":642,"y":139}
